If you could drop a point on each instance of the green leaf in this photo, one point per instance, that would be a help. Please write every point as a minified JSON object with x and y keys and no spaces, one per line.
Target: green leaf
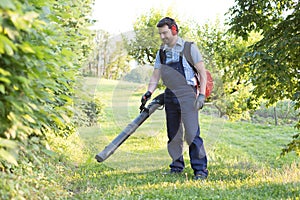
{"x":11,"y":32}
{"x":7,"y":156}
{"x":29,"y":118}
{"x":8,"y":143}
{"x":8,"y":49}
{"x":66,"y":98}
{"x":5,"y":80}
{"x":18,"y":106}
{"x":66,"y":52}
{"x":6,"y":45}
{"x":2,"y":89}
{"x":22,"y":22}
{"x":26,"y":48}
{"x":4,"y":72}
{"x":23,"y":80}
{"x":7,"y":4}
{"x":1,"y":47}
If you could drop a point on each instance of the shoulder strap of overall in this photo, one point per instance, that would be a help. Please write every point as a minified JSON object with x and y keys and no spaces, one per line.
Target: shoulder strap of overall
{"x":187,"y":54}
{"x":162,"y":56}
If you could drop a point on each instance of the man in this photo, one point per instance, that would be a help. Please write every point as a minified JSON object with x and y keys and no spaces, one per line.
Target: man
{"x":182,"y":101}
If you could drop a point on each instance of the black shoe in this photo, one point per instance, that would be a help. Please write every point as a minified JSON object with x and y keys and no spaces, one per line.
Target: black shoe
{"x":200,"y":175}
{"x":173,"y":172}
{"x":176,"y":171}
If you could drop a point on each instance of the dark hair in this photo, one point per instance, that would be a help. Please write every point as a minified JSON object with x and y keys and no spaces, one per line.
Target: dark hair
{"x":167,"y":21}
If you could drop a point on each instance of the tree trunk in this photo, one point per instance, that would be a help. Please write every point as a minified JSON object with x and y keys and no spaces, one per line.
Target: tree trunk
{"x":275,"y":116}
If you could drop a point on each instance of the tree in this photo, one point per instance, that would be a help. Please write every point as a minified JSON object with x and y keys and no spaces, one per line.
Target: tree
{"x":272,"y":63}
{"x":109,"y":58}
{"x":146,"y":42}
{"x":144,"y":45}
{"x":99,"y":57}
{"x":118,"y":61}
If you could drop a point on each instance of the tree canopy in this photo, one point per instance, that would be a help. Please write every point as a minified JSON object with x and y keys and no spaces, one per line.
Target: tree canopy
{"x":272,"y":63}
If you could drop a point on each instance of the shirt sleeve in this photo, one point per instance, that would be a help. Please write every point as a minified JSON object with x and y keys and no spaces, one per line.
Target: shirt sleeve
{"x":157,"y":64}
{"x":195,"y":53}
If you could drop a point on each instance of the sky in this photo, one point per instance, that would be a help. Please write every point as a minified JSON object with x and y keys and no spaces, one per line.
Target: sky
{"x":118,"y":16}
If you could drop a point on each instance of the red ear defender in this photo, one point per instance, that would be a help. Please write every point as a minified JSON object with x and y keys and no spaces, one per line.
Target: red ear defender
{"x":174,"y":29}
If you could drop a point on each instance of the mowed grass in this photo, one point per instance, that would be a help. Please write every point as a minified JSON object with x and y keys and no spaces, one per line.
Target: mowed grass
{"x":244,"y":161}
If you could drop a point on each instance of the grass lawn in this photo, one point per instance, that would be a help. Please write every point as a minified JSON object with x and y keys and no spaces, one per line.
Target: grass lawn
{"x":244,"y":160}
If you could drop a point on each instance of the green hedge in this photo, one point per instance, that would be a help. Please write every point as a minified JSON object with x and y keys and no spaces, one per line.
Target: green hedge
{"x":43,"y":43}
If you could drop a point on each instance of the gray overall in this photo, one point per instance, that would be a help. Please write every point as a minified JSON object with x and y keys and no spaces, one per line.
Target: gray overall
{"x":180,"y":112}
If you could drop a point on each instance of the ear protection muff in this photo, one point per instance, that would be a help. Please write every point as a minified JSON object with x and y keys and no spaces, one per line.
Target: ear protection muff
{"x":174,"y":29}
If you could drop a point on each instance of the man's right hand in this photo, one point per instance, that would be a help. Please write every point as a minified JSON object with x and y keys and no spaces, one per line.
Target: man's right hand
{"x":146,"y":97}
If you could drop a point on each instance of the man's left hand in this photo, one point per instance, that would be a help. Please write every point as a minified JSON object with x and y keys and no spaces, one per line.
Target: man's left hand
{"x":199,"y":102}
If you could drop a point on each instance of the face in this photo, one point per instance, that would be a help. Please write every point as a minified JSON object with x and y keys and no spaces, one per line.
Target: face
{"x":166,"y":35}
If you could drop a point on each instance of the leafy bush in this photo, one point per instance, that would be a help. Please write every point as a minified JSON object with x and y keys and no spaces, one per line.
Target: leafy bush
{"x":89,"y":113}
{"x":42,"y":45}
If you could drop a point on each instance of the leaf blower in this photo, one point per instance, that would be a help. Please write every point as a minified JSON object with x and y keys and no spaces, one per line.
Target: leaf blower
{"x":145,"y":112}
